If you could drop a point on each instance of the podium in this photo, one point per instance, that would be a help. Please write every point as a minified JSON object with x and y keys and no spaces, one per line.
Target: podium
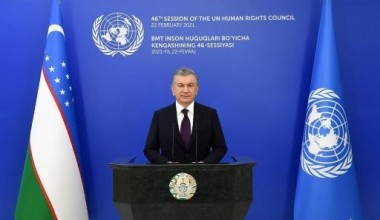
{"x":223,"y":191}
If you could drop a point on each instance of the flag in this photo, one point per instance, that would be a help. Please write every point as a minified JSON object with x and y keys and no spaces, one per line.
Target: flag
{"x":51,"y":185}
{"x":326,"y":184}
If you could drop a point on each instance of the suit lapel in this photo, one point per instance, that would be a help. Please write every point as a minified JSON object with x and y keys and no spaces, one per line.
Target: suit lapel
{"x":195,"y":124}
{"x":174,"y":120}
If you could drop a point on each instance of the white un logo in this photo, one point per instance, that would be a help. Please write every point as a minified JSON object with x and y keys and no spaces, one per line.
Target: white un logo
{"x":326,"y":149}
{"x":118,"y":33}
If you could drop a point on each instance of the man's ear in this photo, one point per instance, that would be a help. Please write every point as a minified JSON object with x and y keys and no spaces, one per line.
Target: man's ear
{"x":171,"y":88}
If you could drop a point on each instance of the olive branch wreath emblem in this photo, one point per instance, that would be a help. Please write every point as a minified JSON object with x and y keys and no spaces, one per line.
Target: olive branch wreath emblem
{"x":320,"y":170}
{"x":106,"y":50}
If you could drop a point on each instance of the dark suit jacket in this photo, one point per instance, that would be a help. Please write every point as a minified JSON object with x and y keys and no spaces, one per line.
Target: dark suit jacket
{"x":164,"y":142}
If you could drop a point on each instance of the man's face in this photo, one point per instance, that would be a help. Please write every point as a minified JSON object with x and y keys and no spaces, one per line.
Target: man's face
{"x":185,"y":88}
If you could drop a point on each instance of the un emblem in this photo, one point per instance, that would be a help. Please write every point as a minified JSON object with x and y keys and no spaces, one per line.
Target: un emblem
{"x":118,"y":33}
{"x":326,"y":149}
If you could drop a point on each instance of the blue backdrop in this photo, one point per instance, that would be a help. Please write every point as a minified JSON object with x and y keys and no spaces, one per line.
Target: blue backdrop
{"x":259,"y":86}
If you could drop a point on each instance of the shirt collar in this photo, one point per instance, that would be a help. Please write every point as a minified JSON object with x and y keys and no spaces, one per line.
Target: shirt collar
{"x":179,"y":108}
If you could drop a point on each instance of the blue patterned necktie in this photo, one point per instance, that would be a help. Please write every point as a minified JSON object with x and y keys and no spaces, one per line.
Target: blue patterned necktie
{"x":185,"y":128}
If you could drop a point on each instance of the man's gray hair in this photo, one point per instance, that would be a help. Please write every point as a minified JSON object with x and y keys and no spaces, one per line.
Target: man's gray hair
{"x":184,"y":71}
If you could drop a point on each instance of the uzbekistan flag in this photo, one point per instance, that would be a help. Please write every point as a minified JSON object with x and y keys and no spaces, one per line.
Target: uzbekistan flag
{"x":51,"y":186}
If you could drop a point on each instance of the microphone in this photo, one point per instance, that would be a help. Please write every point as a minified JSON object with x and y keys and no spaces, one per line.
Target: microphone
{"x":173,"y":142}
{"x":196,"y":143}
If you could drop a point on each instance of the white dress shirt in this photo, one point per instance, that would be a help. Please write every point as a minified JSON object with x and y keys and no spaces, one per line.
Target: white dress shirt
{"x":180,"y":115}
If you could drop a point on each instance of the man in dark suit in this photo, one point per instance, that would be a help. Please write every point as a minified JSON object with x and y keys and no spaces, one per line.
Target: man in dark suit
{"x":193,"y":135}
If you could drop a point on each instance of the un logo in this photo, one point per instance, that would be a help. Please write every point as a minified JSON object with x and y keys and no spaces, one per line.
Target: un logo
{"x":117,"y":33}
{"x":326,"y":149}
